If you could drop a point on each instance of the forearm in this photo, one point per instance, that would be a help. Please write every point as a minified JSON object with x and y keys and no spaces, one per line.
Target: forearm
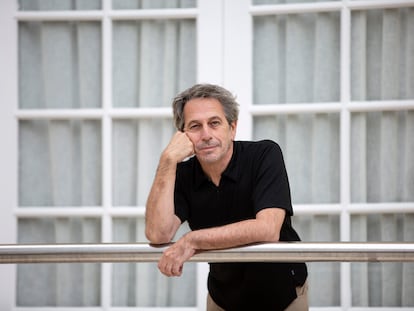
{"x":159,"y":214}
{"x":235,"y":234}
{"x":265,"y":228}
{"x":160,"y":220}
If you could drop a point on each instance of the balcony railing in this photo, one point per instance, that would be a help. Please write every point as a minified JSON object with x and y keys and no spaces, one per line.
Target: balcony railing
{"x":267,"y":252}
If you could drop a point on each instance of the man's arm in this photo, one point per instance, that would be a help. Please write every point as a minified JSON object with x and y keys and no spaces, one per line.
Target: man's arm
{"x":161,"y":223}
{"x":264,"y":228}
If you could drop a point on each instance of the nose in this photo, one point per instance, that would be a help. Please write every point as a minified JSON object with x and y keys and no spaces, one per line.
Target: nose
{"x":205,"y":133}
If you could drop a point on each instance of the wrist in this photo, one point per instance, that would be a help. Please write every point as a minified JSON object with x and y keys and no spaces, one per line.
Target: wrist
{"x":168,"y":159}
{"x":190,"y":240}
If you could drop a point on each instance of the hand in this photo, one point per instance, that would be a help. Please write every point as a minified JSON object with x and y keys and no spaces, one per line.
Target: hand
{"x":179,"y":148}
{"x":173,"y":258}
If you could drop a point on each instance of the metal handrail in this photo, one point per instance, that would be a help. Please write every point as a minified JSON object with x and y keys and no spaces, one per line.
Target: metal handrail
{"x":263,"y":252}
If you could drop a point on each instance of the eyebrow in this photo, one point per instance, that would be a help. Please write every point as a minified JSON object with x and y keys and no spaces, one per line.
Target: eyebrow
{"x":208,"y":120}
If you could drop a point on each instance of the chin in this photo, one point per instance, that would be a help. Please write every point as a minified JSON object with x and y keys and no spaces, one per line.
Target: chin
{"x":208,"y":158}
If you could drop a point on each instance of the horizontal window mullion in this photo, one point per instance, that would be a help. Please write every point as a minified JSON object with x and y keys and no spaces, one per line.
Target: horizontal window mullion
{"x":260,"y":10}
{"x":59,"y":16}
{"x":113,"y":14}
{"x":120,"y":212}
{"x":29,"y":114}
{"x":354,"y":208}
{"x":294,"y":8}
{"x":317,"y":209}
{"x":67,"y":211}
{"x":258,"y":110}
{"x":361,"y":106}
{"x":117,"y":113}
{"x":380,"y":208}
{"x":153,"y":14}
{"x":354,"y":106}
{"x":379,"y":4}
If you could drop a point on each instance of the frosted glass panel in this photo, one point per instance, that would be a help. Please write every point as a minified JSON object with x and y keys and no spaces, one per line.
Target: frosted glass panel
{"x":142,"y":284}
{"x":59,"y":65}
{"x":296,"y":58}
{"x":382,"y":153}
{"x":137,"y":146}
{"x":323,"y":277}
{"x":382,"y":54}
{"x":310,"y":144}
{"x":383,"y":284}
{"x":47,"y":285}
{"x":56,"y":5}
{"x":152,"y":61}
{"x":60,"y":163}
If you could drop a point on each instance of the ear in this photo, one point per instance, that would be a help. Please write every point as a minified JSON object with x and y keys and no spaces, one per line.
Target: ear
{"x":233,"y":128}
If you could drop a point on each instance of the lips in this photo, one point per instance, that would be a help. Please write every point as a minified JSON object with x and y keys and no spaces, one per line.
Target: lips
{"x":207,"y":147}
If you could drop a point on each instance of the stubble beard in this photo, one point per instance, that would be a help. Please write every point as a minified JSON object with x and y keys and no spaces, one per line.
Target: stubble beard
{"x":215,"y":155}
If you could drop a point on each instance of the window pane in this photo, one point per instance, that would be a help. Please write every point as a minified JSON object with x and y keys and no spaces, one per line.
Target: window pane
{"x":143,"y":284}
{"x":152,"y":4}
{"x":310,"y":144}
{"x":321,"y":228}
{"x":382,"y":54}
{"x":296,"y":58}
{"x":56,"y":5}
{"x":59,"y":163}
{"x":59,"y":65}
{"x":47,"y":285}
{"x":137,"y":145}
{"x":382,"y":153}
{"x":383,"y":284}
{"x":153,"y":60}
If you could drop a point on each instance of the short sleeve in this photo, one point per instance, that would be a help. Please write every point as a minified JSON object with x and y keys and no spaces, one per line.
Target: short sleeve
{"x":271,"y":181}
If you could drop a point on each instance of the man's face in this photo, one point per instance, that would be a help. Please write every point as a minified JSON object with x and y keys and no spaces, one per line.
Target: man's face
{"x":208,"y":129}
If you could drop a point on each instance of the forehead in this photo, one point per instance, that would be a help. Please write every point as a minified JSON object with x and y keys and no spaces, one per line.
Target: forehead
{"x":198,"y":109}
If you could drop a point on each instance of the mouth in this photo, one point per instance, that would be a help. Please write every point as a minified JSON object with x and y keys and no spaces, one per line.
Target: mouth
{"x":207,"y":148}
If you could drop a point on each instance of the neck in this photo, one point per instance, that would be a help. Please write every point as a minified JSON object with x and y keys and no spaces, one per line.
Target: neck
{"x":214,"y":169}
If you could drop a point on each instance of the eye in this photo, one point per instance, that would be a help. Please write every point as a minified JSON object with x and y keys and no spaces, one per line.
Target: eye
{"x":194,"y":127}
{"x":215,"y":123}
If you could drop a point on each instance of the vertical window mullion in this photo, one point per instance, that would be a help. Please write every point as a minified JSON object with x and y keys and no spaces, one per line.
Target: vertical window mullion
{"x":9,"y":139}
{"x":345,"y":137}
{"x":237,"y":67}
{"x":210,"y":41}
{"x":106,"y":283}
{"x":106,"y":119}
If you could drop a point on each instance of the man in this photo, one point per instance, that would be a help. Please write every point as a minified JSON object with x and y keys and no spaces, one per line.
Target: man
{"x":232,"y":193}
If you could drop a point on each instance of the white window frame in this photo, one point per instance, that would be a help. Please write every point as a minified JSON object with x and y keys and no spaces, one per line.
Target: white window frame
{"x":8,"y":140}
{"x":241,"y":45}
{"x":224,"y":54}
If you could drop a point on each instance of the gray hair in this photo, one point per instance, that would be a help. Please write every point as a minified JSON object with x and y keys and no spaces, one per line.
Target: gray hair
{"x":227,"y":100}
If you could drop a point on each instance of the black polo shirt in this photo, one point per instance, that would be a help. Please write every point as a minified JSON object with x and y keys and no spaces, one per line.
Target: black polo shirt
{"x":254,"y":179}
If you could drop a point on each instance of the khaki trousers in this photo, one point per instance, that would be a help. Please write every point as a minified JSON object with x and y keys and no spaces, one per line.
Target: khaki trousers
{"x":299,"y":304}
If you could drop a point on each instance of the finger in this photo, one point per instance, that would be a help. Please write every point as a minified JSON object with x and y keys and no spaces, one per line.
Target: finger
{"x":166,"y":271}
{"x":162,"y":266}
{"x":177,"y":270}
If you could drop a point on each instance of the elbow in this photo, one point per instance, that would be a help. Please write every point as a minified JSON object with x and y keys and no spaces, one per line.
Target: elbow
{"x":157,"y":237}
{"x":271,"y":235}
